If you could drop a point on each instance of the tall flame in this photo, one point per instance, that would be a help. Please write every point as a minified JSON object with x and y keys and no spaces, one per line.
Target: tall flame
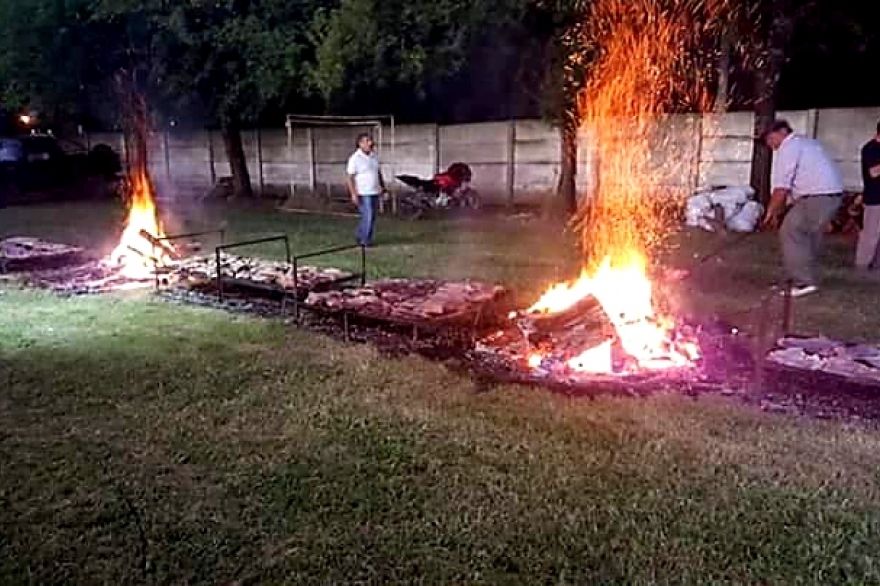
{"x":646,"y":60}
{"x":136,"y":255}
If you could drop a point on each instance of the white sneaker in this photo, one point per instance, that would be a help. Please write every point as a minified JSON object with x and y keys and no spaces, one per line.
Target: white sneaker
{"x":801,"y":291}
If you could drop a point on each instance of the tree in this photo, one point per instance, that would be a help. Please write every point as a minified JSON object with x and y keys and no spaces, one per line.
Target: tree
{"x":47,"y":56}
{"x":775,"y":24}
{"x":229,"y":59}
{"x":774,"y":32}
{"x":367,"y":48}
{"x":561,"y":24}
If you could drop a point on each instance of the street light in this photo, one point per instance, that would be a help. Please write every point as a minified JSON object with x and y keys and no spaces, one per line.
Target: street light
{"x":25,"y":119}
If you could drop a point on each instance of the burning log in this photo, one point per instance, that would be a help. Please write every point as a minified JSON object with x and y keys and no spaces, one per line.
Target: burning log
{"x":587,"y":311}
{"x":142,"y":254}
{"x":159,"y":244}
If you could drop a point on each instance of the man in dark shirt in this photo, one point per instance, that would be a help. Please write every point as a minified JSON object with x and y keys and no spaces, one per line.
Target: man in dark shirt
{"x":869,"y":237}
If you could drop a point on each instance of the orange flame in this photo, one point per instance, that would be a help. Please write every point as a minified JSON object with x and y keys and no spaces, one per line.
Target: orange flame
{"x":625,"y":294}
{"x":646,"y":59}
{"x":135,"y":255}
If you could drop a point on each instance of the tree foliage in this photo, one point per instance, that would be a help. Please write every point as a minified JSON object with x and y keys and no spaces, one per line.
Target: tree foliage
{"x":365,"y":47}
{"x":222,"y":62}
{"x":47,"y":56}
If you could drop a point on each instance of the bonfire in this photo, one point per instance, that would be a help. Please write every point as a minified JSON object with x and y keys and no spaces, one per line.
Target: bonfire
{"x":647,"y":63}
{"x":141,"y":247}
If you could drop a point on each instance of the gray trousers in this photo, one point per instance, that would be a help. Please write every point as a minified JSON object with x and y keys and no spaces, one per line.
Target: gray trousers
{"x":869,"y":239}
{"x":801,"y":235}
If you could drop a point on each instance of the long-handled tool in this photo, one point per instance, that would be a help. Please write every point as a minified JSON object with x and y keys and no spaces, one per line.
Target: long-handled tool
{"x":724,"y":247}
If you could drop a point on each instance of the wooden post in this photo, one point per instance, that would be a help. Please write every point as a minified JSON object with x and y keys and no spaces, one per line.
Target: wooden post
{"x":259,"y":141}
{"x":436,"y":148}
{"x":211,"y":161}
{"x":313,"y":172}
{"x":511,"y":161}
{"x":292,"y":169}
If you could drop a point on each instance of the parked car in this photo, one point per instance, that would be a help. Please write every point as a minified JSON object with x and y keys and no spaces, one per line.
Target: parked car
{"x":40,"y":164}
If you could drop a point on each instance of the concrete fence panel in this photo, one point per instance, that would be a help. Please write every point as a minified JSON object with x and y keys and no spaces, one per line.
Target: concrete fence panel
{"x":512,"y":161}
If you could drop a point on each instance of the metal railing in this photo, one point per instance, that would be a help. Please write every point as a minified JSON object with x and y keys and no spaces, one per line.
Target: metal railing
{"x":174,"y":237}
{"x":223,"y":247}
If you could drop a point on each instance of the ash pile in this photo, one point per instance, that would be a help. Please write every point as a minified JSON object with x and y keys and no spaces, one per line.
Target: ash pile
{"x":61,"y":268}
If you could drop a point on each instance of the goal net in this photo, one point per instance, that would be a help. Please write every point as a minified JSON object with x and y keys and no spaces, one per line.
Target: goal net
{"x":318,"y":148}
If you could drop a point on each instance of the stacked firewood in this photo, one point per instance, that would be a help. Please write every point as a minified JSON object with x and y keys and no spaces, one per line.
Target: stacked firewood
{"x":407,"y":299}
{"x":262,"y":272}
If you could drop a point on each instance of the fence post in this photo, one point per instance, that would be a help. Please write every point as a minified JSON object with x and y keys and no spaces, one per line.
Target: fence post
{"x":436,"y":148}
{"x":511,"y":161}
{"x":211,"y":162}
{"x":313,"y":174}
{"x":259,"y":148}
{"x":165,"y":147}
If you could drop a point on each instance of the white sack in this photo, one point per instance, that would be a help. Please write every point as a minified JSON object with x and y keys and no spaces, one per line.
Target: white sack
{"x":747,"y":219}
{"x":698,"y":211}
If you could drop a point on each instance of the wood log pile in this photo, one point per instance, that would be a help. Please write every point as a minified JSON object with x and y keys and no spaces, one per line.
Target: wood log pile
{"x":848,"y":220}
{"x":24,"y":253}
{"x":266,"y":273}
{"x":557,"y":336}
{"x":408,"y":299}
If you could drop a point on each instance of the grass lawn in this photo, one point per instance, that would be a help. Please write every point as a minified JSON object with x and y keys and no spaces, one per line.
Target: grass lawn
{"x":142,"y":442}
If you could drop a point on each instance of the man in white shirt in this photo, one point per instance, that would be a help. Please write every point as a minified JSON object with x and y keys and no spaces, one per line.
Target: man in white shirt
{"x":365,"y":185}
{"x":804,"y":176}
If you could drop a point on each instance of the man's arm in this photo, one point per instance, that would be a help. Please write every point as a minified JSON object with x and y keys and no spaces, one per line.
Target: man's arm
{"x":870,"y":165}
{"x":350,"y":172}
{"x":778,"y":199}
{"x":782,"y":181}
{"x":352,"y":189}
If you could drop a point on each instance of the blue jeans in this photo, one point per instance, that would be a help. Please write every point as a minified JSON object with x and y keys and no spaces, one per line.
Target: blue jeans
{"x":367,"y":205}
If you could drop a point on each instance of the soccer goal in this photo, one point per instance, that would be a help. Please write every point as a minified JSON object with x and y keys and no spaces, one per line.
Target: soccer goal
{"x":304,"y":132}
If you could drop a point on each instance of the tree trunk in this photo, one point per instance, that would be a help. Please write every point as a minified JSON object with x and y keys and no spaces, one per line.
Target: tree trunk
{"x":765,"y":112}
{"x":722,"y":93}
{"x":241,"y":180}
{"x":766,"y":80}
{"x":566,"y":189}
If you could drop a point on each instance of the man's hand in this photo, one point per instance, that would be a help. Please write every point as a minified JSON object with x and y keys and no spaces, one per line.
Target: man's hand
{"x":874,"y":171}
{"x":771,"y":220}
{"x":355,"y":199}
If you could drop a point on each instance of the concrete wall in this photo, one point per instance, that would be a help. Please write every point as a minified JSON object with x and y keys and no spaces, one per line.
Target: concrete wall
{"x":518,"y":160}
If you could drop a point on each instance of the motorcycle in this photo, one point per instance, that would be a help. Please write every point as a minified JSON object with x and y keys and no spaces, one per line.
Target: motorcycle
{"x":450,"y":189}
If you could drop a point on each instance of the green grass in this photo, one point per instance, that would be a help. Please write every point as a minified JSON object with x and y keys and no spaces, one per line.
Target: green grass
{"x":220,"y":448}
